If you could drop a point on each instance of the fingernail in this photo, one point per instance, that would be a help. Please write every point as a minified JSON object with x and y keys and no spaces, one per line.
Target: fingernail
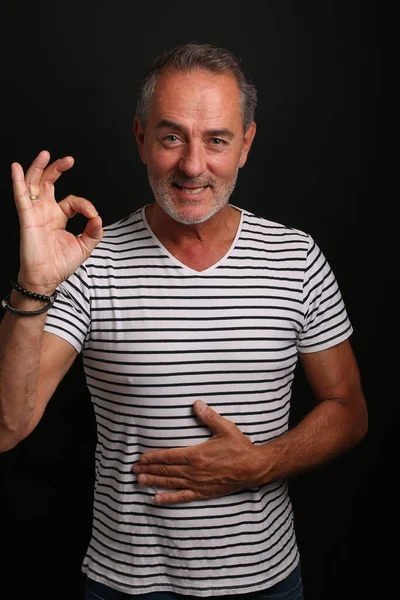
{"x":201,"y":406}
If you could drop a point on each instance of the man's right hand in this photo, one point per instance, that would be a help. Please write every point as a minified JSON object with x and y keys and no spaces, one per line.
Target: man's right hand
{"x":49,"y":254}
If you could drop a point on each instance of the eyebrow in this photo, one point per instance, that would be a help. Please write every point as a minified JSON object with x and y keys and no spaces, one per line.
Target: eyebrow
{"x":165,"y":123}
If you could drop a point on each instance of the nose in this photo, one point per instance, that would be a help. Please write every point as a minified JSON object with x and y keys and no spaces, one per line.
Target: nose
{"x":193,"y":162}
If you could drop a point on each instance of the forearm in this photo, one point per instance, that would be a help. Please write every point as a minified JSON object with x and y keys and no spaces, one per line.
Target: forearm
{"x":229,"y":461}
{"x":327,"y":431}
{"x":20,"y":344}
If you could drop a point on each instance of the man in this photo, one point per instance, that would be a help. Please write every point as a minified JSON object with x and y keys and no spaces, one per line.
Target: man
{"x":191,"y":314}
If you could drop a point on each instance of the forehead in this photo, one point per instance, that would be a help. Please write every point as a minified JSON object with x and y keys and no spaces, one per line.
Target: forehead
{"x":197,"y":94}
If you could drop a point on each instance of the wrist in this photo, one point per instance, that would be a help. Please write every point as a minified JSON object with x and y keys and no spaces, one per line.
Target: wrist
{"x":269,"y":462}
{"x":31,"y":294}
{"x":16,"y":302}
{"x":42,"y":289}
{"x":23,"y":302}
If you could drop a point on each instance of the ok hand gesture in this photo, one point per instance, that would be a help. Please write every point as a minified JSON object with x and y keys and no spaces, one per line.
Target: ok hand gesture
{"x":48,"y":253}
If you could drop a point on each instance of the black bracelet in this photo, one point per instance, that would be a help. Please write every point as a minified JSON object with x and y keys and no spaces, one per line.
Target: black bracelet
{"x":26,"y":313}
{"x":28,"y":294}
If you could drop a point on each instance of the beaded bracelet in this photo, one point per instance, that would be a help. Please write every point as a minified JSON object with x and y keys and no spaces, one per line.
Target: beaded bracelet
{"x":33,"y":296}
{"x":28,"y":294}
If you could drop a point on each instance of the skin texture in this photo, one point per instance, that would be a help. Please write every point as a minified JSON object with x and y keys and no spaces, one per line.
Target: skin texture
{"x":193,"y":146}
{"x":193,"y":140}
{"x":33,"y":363}
{"x":229,"y":462}
{"x":49,"y":253}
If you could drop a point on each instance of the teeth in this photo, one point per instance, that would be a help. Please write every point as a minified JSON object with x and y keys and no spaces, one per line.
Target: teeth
{"x":192,"y":191}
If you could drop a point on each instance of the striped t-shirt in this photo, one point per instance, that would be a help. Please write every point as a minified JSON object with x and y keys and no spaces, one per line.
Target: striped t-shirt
{"x":155,"y":336}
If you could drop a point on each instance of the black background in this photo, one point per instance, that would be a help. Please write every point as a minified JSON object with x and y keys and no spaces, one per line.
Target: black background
{"x":321,"y":162}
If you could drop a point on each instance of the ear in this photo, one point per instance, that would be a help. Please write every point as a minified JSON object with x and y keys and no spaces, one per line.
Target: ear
{"x":139,"y":135}
{"x":247,"y":142}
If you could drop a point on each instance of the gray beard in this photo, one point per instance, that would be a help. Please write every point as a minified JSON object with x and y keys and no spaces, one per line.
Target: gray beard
{"x":164,"y":198}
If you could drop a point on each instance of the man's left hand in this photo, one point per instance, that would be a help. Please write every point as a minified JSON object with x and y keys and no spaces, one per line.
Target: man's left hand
{"x":225,"y":463}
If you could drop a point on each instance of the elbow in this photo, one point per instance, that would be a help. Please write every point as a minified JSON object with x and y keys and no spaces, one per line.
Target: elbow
{"x":14,"y":429}
{"x":9,"y":438}
{"x":8,"y":442}
{"x":361,"y":426}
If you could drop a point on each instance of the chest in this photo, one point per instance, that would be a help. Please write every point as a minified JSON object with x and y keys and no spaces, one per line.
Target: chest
{"x":199,"y":257}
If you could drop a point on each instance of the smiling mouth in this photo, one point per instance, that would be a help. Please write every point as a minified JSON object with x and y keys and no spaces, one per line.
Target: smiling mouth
{"x":191,"y":190}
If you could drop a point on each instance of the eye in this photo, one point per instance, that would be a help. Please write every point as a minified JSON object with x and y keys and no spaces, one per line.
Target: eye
{"x":218,"y":144}
{"x":171,"y":138}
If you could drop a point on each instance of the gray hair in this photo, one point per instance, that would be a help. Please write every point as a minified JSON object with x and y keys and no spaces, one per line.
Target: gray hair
{"x":191,"y":56}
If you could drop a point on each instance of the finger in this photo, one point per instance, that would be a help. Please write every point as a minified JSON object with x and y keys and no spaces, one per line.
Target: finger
{"x":21,"y":195}
{"x":175,"y":483}
{"x":171,"y":456}
{"x":91,"y":236}
{"x":175,"y":497}
{"x":214,"y":421}
{"x":163,"y":470}
{"x":54,"y":172}
{"x":75,"y":204}
{"x":93,"y":231}
{"x":40,"y":176}
{"x":35,"y":171}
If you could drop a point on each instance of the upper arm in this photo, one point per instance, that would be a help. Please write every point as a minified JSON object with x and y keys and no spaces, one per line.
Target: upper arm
{"x":56,"y":358}
{"x":333,"y":374}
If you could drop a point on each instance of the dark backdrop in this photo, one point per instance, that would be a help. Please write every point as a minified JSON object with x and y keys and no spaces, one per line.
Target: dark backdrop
{"x":320,"y":163}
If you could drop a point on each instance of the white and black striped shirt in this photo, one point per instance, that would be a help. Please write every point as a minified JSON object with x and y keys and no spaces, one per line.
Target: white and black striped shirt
{"x":155,"y":336}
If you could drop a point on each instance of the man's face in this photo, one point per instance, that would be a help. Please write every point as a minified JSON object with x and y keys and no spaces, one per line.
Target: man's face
{"x":194,"y":143}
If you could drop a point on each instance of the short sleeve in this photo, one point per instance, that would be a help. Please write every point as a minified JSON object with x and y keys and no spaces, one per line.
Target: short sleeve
{"x":326,"y":322}
{"x":69,"y":317}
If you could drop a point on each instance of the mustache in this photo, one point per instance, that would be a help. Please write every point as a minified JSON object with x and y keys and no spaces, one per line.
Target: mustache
{"x":192,"y":181}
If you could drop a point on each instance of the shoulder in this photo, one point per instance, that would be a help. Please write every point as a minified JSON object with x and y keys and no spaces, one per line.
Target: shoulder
{"x":265,"y":228}
{"x":122,"y":235}
{"x":125,"y":226}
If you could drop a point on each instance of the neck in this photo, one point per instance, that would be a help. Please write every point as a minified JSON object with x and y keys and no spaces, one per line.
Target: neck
{"x":197,"y":246}
{"x":221,"y":227}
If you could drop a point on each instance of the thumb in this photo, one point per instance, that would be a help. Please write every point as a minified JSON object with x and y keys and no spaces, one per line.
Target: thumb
{"x":92,"y":234}
{"x":207,"y":415}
